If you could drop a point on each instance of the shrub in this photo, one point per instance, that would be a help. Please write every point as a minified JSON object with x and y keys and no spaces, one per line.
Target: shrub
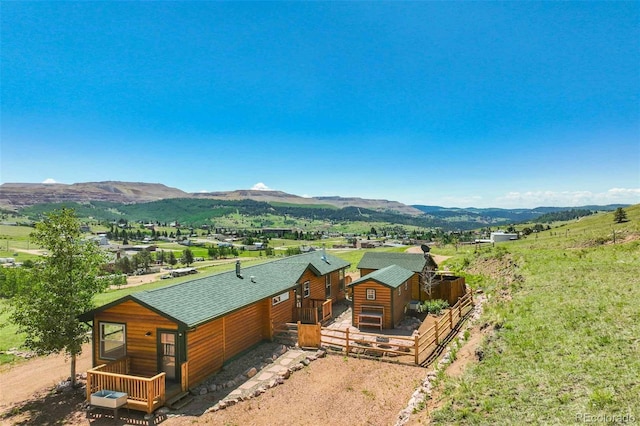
{"x":434,"y":306}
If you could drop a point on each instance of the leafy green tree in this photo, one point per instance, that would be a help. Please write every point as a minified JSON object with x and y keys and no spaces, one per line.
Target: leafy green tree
{"x":160,"y":257}
{"x":212,"y":252}
{"x":144,"y":258}
{"x":172,"y":259}
{"x":187,"y":257}
{"x":619,"y":215}
{"x":62,"y":287}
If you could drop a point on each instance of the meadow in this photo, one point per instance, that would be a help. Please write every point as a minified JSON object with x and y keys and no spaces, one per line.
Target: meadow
{"x":565,"y":340}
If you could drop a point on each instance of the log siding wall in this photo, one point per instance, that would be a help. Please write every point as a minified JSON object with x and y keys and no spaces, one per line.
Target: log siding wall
{"x":383,"y":298}
{"x":141,"y":349}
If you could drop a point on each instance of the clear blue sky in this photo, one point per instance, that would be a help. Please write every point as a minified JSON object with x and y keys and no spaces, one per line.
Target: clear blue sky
{"x":487,"y":104}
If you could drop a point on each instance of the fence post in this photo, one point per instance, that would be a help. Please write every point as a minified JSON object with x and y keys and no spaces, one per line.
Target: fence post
{"x":347,"y":341}
{"x":451,"y":319}
{"x":417,"y":348}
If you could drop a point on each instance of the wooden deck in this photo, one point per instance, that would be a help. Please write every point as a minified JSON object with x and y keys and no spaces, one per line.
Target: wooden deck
{"x":144,"y":393}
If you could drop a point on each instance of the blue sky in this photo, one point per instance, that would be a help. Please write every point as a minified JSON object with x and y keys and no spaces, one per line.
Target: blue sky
{"x":486,"y":104}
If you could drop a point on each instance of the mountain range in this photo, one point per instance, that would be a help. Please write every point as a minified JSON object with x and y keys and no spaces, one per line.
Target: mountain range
{"x":16,"y":196}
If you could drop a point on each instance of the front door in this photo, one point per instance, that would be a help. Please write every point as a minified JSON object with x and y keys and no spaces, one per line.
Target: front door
{"x":168,"y":354}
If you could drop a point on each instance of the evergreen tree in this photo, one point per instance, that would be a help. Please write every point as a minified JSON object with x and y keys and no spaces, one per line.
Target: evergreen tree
{"x":619,"y":215}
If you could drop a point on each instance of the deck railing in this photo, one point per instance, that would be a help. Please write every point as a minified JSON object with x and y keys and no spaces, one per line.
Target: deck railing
{"x":144,"y":393}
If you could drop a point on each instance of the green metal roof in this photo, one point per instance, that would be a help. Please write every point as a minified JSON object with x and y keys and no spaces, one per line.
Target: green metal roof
{"x":412,"y":261}
{"x":392,"y":276}
{"x":197,"y":301}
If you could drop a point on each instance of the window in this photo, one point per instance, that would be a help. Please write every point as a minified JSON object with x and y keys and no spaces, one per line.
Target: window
{"x":371,"y":294}
{"x":327,"y":286}
{"x":341,"y":279}
{"x":406,"y":284}
{"x":306,"y":290}
{"x":400,"y":291}
{"x":280,"y":298}
{"x":113,"y":339}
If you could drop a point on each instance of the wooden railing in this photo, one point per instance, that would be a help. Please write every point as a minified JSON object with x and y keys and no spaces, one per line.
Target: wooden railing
{"x":308,"y":315}
{"x":410,"y":349}
{"x":144,"y":394}
{"x":429,"y":338}
{"x":327,"y":310}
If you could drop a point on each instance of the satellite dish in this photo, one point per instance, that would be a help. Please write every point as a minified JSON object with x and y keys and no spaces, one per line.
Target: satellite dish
{"x":425,"y":248}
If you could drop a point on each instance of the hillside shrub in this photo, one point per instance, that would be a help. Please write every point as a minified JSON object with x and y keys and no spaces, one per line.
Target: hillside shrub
{"x":435,"y":306}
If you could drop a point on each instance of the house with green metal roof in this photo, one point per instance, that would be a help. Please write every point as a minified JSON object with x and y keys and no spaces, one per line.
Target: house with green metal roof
{"x":187,"y":331}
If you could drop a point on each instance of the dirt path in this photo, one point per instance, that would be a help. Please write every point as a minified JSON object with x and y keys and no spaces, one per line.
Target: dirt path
{"x":25,"y":379}
{"x":437,"y":257}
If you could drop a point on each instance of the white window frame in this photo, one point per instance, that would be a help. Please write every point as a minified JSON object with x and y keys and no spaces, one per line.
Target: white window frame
{"x":400,"y":291}
{"x":306,"y":289}
{"x":280,"y":298}
{"x":371,"y":294}
{"x":103,"y":340}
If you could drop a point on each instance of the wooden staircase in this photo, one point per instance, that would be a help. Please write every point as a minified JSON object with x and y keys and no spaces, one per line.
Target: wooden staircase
{"x":178,"y":401}
{"x":286,"y":334}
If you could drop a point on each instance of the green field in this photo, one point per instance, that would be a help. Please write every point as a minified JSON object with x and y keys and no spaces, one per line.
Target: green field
{"x":565,"y":340}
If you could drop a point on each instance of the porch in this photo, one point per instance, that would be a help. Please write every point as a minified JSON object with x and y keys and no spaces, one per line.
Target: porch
{"x":319,"y":311}
{"x":143,"y":393}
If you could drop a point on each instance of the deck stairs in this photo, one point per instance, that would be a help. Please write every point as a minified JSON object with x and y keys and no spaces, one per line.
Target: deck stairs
{"x":178,"y":401}
{"x":286,"y":334}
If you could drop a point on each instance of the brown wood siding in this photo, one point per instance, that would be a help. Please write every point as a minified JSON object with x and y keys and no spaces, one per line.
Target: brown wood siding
{"x":283,"y":311}
{"x":383,"y":298}
{"x":450,"y":290}
{"x":336,"y":293}
{"x":316,"y":285}
{"x":243,"y":329}
{"x":400,"y":302}
{"x":414,"y":283}
{"x":139,"y":320}
{"x":205,"y":351}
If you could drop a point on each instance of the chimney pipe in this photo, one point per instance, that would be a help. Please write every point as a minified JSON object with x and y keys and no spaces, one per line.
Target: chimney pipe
{"x":238,"y":274}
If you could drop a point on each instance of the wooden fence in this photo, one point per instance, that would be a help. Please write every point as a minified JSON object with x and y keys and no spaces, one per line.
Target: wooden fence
{"x":410,"y":349}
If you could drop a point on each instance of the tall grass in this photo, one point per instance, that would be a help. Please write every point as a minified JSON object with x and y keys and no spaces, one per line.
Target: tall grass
{"x":567,"y":345}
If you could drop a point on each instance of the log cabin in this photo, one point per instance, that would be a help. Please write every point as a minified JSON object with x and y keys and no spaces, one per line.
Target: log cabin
{"x":380,"y":298}
{"x":156,"y":343}
{"x":445,"y":286}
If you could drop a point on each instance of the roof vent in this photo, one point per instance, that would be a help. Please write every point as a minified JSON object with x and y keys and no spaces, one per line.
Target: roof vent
{"x":253,"y":279}
{"x":238,"y":274}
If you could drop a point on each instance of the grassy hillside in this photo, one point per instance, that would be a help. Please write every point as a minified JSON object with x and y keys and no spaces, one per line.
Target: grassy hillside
{"x":565,"y":343}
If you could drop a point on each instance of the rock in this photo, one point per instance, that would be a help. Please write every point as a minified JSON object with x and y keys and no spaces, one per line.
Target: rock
{"x":163,"y":410}
{"x":305,"y":362}
{"x":321,"y":353}
{"x":285,"y":374}
{"x":231,"y":402}
{"x":222,"y":405}
{"x":240,"y":378}
{"x":282,"y":349}
{"x":311,"y":357}
{"x":251,"y":372}
{"x":272,"y":383}
{"x":268,"y":361}
{"x":230,"y":384}
{"x":280,"y":380}
{"x":212,"y":387}
{"x":274,"y":357}
{"x":203,"y":390}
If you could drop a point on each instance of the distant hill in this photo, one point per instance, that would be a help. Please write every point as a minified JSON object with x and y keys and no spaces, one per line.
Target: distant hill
{"x":17,"y":195}
{"x":495,"y":216}
{"x":154,"y":201}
